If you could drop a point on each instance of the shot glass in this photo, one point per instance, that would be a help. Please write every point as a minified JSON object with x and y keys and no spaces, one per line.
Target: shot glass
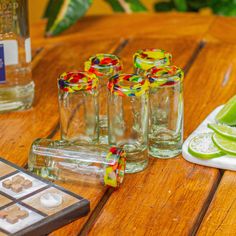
{"x":78,"y":106}
{"x":166,"y":111}
{"x":103,"y":66}
{"x":145,"y":59}
{"x":73,"y":162}
{"x":128,"y":118}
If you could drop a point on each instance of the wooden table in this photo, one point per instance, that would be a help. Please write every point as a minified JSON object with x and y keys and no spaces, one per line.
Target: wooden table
{"x":171,"y":197}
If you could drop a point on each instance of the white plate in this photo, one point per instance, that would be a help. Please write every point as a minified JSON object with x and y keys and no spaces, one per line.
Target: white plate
{"x":226,"y":162}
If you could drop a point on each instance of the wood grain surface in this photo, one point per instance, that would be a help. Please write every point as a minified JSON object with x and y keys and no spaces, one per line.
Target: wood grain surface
{"x":220,"y":217}
{"x":168,"y":25}
{"x":222,"y":29}
{"x":172,"y":196}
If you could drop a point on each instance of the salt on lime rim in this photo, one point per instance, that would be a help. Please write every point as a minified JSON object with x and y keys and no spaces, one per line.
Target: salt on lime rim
{"x":202,"y":146}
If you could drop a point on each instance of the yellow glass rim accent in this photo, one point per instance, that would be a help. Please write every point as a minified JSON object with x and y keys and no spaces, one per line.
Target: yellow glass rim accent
{"x":114,"y":173}
{"x":145,"y":59}
{"x":131,"y":85}
{"x":76,"y":81}
{"x":165,"y":76}
{"x":103,"y":64}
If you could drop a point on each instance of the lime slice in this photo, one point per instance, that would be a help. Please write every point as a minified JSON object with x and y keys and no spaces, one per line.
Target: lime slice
{"x":227,"y":115}
{"x":224,"y":130}
{"x":201,"y":146}
{"x":64,"y":13}
{"x":224,"y":144}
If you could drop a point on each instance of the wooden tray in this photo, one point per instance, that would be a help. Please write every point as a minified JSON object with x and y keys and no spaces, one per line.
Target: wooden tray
{"x":226,"y":162}
{"x":40,"y":220}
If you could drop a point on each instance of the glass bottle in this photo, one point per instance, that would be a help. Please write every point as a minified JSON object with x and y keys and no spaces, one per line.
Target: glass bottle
{"x":128,"y":118}
{"x":166,"y":111}
{"x":78,"y":106}
{"x":16,"y":85}
{"x":67,"y":161}
{"x":104,"y":66}
{"x":147,"y":58}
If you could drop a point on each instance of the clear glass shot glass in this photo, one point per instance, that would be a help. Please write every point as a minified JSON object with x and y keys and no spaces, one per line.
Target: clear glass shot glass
{"x":104,"y":66}
{"x":145,"y":59}
{"x":78,"y":106}
{"x":166,"y":111}
{"x":128,"y":118}
{"x":73,"y":162}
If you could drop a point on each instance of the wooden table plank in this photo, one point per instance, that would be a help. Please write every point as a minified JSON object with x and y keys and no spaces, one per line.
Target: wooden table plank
{"x":165,"y":199}
{"x":93,"y":193}
{"x":210,"y":82}
{"x":169,"y":197}
{"x":222,"y":30}
{"x":19,"y":129}
{"x":220,"y":217}
{"x":161,"y":25}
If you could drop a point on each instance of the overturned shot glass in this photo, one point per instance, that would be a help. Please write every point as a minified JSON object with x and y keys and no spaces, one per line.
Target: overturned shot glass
{"x":66,"y":161}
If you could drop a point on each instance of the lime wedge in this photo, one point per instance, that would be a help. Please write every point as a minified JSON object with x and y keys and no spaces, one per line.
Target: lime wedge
{"x":201,"y":146}
{"x":224,"y":130}
{"x":227,"y":115}
{"x":224,"y":144}
{"x":64,"y":13}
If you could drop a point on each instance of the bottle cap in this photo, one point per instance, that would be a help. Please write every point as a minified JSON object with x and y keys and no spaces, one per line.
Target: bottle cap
{"x":131,"y":85}
{"x":75,"y":81}
{"x":147,"y":58}
{"x":115,"y":171}
{"x":103,"y":65}
{"x":164,"y":76}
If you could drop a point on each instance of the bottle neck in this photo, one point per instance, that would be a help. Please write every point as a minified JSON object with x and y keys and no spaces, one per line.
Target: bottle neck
{"x":14,"y":18}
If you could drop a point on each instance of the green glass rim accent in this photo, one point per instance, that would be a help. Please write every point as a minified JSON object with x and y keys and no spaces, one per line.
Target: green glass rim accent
{"x":147,"y":58}
{"x":131,"y":85}
{"x":165,"y":76}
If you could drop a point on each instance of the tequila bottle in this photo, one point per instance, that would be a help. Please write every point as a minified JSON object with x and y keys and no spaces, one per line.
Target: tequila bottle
{"x":16,"y":85}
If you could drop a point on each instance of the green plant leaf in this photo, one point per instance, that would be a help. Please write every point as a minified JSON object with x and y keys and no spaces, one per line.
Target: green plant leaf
{"x":163,"y":6}
{"x":196,"y":5}
{"x":115,"y":5}
{"x":64,"y":13}
{"x":48,"y":9}
{"x":127,"y":5}
{"x":224,"y":7}
{"x":181,"y":5}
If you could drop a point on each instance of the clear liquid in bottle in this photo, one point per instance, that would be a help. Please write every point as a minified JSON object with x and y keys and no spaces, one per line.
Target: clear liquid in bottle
{"x":16,"y":85}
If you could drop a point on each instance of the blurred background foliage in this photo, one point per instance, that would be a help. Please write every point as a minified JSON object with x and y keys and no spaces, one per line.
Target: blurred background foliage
{"x":62,"y":14}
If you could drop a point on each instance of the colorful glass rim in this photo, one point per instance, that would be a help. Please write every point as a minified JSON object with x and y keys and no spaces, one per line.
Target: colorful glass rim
{"x":76,"y":81}
{"x":147,"y":58}
{"x":131,"y":85}
{"x":165,"y":76}
{"x":103,"y":65}
{"x":114,"y":173}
